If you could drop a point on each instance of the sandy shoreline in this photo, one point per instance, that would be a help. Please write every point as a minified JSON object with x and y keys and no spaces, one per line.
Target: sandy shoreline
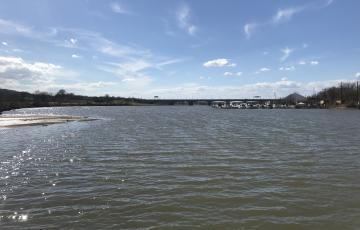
{"x":10,"y":121}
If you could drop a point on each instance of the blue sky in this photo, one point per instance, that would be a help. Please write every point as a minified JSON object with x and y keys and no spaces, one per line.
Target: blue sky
{"x":179,"y":49}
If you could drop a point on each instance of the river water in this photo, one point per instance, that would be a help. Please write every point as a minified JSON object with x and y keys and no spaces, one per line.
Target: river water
{"x":183,"y":167}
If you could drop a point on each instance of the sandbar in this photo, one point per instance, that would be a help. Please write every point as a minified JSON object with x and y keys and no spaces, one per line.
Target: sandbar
{"x":10,"y":121}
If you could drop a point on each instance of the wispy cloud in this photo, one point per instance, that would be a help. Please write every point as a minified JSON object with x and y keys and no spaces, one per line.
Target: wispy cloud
{"x":16,"y":50}
{"x":284,"y":15}
{"x":314,"y":63}
{"x":357,"y":75}
{"x":4,"y":43}
{"x":287,"y":68}
{"x":166,"y":62}
{"x":328,"y":3}
{"x":118,"y":8}
{"x":249,"y":28}
{"x":232,"y":73}
{"x":73,"y":41}
{"x":286,"y":53}
{"x":221,"y":62}
{"x":264,"y":69}
{"x":130,"y":61}
{"x":168,"y":30}
{"x":308,"y":62}
{"x":131,"y":72}
{"x":183,"y":17}
{"x":10,"y":27}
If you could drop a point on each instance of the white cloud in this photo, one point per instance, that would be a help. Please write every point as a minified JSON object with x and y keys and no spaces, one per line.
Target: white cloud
{"x":80,"y":87}
{"x":131,"y":72}
{"x":73,"y":41}
{"x":70,"y":43}
{"x":160,"y":64}
{"x":89,"y":40}
{"x":328,"y":3}
{"x":221,"y":62}
{"x":264,"y":69}
{"x":282,"y":88}
{"x":94,"y":41}
{"x":16,"y":68}
{"x":314,"y":63}
{"x":357,"y":75}
{"x":284,"y":15}
{"x":134,"y":66}
{"x":309,"y":62}
{"x":17,"y":50}
{"x":9,"y":27}
{"x":134,"y":71}
{"x":75,"y":56}
{"x":18,"y":74}
{"x":4,"y":43}
{"x":249,"y":28}
{"x":138,"y":82}
{"x":118,"y":50}
{"x":118,"y":8}
{"x":232,"y":74}
{"x":183,"y":17}
{"x":286,"y":53}
{"x":287,"y":68}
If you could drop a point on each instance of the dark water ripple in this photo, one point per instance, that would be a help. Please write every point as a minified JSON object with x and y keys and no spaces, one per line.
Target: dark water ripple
{"x":183,"y":168}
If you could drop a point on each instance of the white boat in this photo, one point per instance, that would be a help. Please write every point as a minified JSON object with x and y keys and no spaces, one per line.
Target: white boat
{"x":218,"y":104}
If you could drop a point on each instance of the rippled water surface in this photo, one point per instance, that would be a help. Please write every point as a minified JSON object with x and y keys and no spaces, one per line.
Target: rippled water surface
{"x":179,"y":167}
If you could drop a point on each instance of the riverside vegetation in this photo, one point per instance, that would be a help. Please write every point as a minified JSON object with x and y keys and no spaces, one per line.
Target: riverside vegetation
{"x":345,"y":95}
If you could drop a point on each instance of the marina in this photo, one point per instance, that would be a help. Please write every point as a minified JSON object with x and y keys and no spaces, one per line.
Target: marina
{"x":257,"y":105}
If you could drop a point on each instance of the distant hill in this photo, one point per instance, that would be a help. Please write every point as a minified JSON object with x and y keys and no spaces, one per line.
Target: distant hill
{"x":7,"y":94}
{"x":295,"y":98}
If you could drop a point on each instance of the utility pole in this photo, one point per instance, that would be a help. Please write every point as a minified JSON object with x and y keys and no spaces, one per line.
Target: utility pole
{"x":341,"y":92}
{"x":357,"y":94}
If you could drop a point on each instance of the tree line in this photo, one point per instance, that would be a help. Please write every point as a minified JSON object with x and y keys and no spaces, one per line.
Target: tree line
{"x":344,"y":94}
{"x":10,"y":99}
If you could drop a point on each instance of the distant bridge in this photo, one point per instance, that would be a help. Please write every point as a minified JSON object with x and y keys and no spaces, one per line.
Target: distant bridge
{"x":206,"y":101}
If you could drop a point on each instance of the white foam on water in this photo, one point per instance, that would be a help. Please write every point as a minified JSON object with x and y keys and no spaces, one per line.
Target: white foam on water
{"x":23,"y":217}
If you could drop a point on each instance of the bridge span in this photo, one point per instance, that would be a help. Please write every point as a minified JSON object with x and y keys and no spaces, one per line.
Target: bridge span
{"x":208,"y":101}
